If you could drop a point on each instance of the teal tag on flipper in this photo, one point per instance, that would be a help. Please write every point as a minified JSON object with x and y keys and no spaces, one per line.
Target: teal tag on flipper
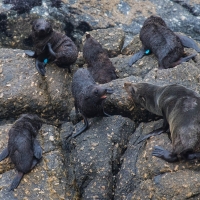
{"x":147,"y":52}
{"x":45,"y":61}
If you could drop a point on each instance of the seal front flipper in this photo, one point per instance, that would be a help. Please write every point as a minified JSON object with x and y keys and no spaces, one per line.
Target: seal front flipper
{"x":164,"y":154}
{"x":51,"y":50}
{"x":16,"y":181}
{"x":40,"y":66}
{"x":30,"y":53}
{"x":136,"y":57}
{"x":192,"y":156}
{"x":188,"y":42}
{"x":4,"y":154}
{"x":83,"y":128}
{"x":37,"y":150}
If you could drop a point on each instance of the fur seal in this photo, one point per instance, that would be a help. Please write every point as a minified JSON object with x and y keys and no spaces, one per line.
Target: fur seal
{"x":180,"y":109}
{"x":99,"y":64}
{"x":51,"y":46}
{"x":167,"y":46}
{"x":23,"y":148}
{"x":88,"y":96}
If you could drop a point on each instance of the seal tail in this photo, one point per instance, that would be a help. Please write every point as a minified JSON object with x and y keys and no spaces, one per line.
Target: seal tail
{"x":16,"y":181}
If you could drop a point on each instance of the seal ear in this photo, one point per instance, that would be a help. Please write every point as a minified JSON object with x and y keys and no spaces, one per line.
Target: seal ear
{"x":130,"y":88}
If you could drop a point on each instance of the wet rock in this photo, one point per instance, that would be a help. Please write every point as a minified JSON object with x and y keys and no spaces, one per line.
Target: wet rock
{"x":143,"y":176}
{"x":47,"y":180}
{"x":95,"y":157}
{"x":140,"y":69}
{"x":24,"y":90}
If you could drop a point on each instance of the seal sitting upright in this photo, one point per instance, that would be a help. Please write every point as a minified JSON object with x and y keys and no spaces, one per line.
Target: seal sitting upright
{"x":88,"y":96}
{"x":167,"y":46}
{"x":99,"y":64}
{"x":51,"y":46}
{"x":23,"y":148}
{"x":180,"y":109}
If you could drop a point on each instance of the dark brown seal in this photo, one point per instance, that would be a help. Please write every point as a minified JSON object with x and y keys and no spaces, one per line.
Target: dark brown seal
{"x":98,"y":61}
{"x":88,"y":96}
{"x":180,"y":109}
{"x":51,"y":46}
{"x":167,"y":46}
{"x":23,"y":148}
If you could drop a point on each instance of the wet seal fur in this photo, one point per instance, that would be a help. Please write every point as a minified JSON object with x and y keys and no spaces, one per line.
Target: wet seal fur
{"x":180,"y":109}
{"x":23,"y":148}
{"x":88,"y":96}
{"x":167,"y":46}
{"x":51,"y":46}
{"x":99,"y":64}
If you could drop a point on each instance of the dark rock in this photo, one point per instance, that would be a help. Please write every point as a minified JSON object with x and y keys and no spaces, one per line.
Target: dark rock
{"x":143,"y":176}
{"x":95,"y":158}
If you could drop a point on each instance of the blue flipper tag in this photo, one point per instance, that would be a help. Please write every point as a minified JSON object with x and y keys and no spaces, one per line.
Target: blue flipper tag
{"x":45,"y":61}
{"x":147,"y":52}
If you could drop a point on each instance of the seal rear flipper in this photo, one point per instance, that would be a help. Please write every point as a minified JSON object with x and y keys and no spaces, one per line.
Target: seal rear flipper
{"x":4,"y":154}
{"x":185,"y":59}
{"x":164,"y":154}
{"x":16,"y":181}
{"x":83,"y":128}
{"x":30,"y":53}
{"x":188,"y":42}
{"x":153,"y":133}
{"x":136,"y":57}
{"x":40,"y":66}
{"x":37,"y":149}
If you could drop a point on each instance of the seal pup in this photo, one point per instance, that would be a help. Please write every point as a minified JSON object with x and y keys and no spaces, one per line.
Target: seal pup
{"x":99,"y":64}
{"x":180,"y":109}
{"x":51,"y":46}
{"x":23,"y":148}
{"x":167,"y":46}
{"x":88,"y":96}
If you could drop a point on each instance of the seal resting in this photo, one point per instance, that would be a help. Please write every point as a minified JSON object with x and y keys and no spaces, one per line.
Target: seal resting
{"x":51,"y":46}
{"x":99,"y":64}
{"x":180,"y":109}
{"x":23,"y":148}
{"x":167,"y":46}
{"x":88,"y":96}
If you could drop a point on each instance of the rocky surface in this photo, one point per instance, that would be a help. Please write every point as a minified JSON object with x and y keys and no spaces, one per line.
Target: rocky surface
{"x":104,"y":162}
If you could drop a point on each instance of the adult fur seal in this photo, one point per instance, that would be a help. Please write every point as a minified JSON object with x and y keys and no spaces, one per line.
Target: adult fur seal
{"x":98,"y":61}
{"x":23,"y":148}
{"x":51,"y":46}
{"x":88,"y":96}
{"x":167,"y":46}
{"x":180,"y":109}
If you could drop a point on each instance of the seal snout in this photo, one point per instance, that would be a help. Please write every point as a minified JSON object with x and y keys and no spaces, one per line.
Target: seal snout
{"x":87,"y":35}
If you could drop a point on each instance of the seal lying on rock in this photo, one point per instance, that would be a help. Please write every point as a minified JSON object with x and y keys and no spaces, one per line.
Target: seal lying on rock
{"x":23,"y":148}
{"x":88,"y":96}
{"x":167,"y":46}
{"x":180,"y":109}
{"x":99,"y":64}
{"x":51,"y":46}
